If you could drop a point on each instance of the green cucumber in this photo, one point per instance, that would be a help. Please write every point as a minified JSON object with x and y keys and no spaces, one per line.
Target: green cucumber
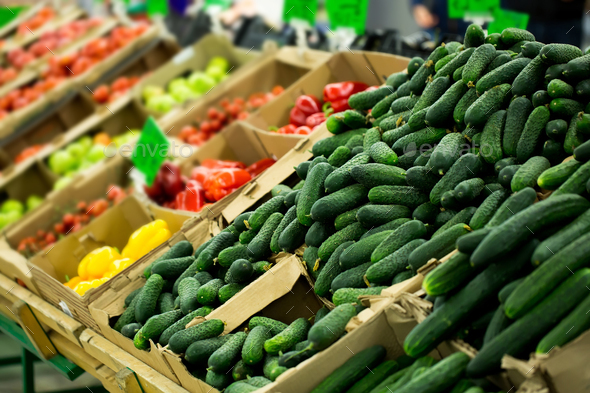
{"x":534,"y":126}
{"x":147,"y":300}
{"x":559,"y":53}
{"x":531,"y":49}
{"x":466,"y":167}
{"x":426,"y":213}
{"x":180,"y":324}
{"x":341,"y":177}
{"x":206,"y":258}
{"x":219,"y":381}
{"x":360,"y":252}
{"x":222,"y":360}
{"x":455,"y":64}
{"x":187,"y":292}
{"x":474,"y":36}
{"x":345,"y":219}
{"x":573,"y":136}
{"x":165,"y":303}
{"x":368,"y":99}
{"x":318,"y":233}
{"x":352,"y":371}
{"x":397,"y":195}
{"x":207,"y":294}
{"x":415,"y":122}
{"x":331,"y":270}
{"x":338,"y":158}
{"x":292,"y":236}
{"x":259,"y":247}
{"x":507,"y":174}
{"x":353,"y":232}
{"x":394,"y":241}
{"x":373,"y":135}
{"x":511,"y":206}
{"x":387,"y":268}
{"x":312,"y":261}
{"x":576,"y":183}
{"x":439,"y":377}
{"x":488,"y":103}
{"x":561,"y":239}
{"x":396,"y":79}
{"x":554,"y":177}
{"x":329,"y":329}
{"x":437,"y":247}
{"x":262,"y":213}
{"x":447,"y":318}
{"x":287,"y":219}
{"x":566,"y":107}
{"x":415,"y":140}
{"x":468,"y":190}
{"x":272,"y":325}
{"x":375,"y":377}
{"x":529,"y":78}
{"x":491,"y":138}
{"x":391,"y":225}
{"x":522,"y":226}
{"x":382,"y":154}
{"x":474,"y":68}
{"x":312,"y":190}
{"x":199,"y":351}
{"x":245,"y":238}
{"x":433,"y":91}
{"x":449,"y":275}
{"x":329,"y":207}
{"x":371,"y":216}
{"x":446,"y":153}
{"x":181,"y":340}
{"x":487,"y":209}
{"x":130,"y":330}
{"x":531,"y":327}
{"x":512,"y":35}
{"x":294,"y":333}
{"x":560,"y":89}
{"x":373,"y":175}
{"x":351,"y":295}
{"x":351,"y":278}
{"x":422,"y":178}
{"x":181,"y":249}
{"x":154,"y":327}
{"x":570,"y":327}
{"x":326,"y":146}
{"x":529,"y":172}
{"x":463,"y":104}
{"x":442,"y":110}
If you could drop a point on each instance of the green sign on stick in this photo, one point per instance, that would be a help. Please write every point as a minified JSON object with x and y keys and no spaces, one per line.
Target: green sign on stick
{"x":348,"y":13}
{"x":150,"y":150}
{"x":504,"y":19}
{"x":459,"y":8}
{"x":157,"y":7}
{"x":300,"y":9}
{"x":223,"y":4}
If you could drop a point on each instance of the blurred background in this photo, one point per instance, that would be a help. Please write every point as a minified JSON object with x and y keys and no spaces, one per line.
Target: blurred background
{"x":405,"y":27}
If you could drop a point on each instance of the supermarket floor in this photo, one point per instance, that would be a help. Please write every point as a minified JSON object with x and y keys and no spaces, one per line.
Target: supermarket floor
{"x":46,"y":378}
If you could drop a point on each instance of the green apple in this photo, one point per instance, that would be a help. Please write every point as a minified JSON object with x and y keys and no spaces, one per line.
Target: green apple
{"x":163,"y":103}
{"x":77,"y":150}
{"x":11,"y":205}
{"x":183,"y":93}
{"x":201,"y":82}
{"x":62,"y":182}
{"x":175,"y":83}
{"x":96,"y":154}
{"x":215,"y":72}
{"x":85,"y":165}
{"x":219,"y":61}
{"x":61,"y":161}
{"x":152,"y":91}
{"x":13,"y":216}
{"x":33,"y":201}
{"x":86,"y":142}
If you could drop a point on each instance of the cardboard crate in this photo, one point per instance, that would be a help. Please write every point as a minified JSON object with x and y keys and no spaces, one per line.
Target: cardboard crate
{"x":283,"y":293}
{"x":276,"y":67}
{"x":50,"y":268}
{"x":380,"y":328}
{"x":193,"y":58}
{"x":368,"y":67}
{"x":562,"y":370}
{"x":111,"y":303}
{"x":239,"y":141}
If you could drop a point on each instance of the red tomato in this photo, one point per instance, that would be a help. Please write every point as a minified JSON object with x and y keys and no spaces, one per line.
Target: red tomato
{"x":101,"y":94}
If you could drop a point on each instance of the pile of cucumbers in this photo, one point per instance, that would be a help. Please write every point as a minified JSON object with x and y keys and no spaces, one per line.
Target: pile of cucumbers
{"x":368,"y":372}
{"x":458,"y":149}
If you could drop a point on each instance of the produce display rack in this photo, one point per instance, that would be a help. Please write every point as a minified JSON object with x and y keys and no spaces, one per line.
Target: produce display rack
{"x":75,"y":333}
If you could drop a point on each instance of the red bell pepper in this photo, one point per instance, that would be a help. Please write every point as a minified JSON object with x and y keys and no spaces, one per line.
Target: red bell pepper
{"x":315,"y":120}
{"x":170,"y":178}
{"x":288,"y":129}
{"x":337,"y":94}
{"x":218,"y":164}
{"x":303,"y":130}
{"x":297,"y":117}
{"x":260,"y":166}
{"x":308,"y":104}
{"x":192,"y":198}
{"x":228,"y":178}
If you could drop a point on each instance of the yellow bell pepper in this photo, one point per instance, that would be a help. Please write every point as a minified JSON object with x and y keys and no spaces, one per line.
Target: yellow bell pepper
{"x":146,"y":239}
{"x":97,"y":262}
{"x":84,"y":286}
{"x":117,"y":266}
{"x":73,"y":282}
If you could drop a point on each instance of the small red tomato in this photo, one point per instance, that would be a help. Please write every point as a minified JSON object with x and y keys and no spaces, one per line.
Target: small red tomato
{"x":101,"y":94}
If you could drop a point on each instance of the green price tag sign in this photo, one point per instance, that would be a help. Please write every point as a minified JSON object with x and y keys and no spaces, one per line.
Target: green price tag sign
{"x":223,"y":4}
{"x":300,"y":9}
{"x":348,"y":13}
{"x":504,"y":19}
{"x":157,"y":7}
{"x":458,"y":8}
{"x":150,"y":150}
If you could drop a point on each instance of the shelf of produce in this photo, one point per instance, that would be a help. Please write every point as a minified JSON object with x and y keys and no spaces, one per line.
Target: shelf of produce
{"x":281,"y":67}
{"x":76,"y":112}
{"x":62,"y":16}
{"x":10,"y":28}
{"x":193,"y":59}
{"x":71,"y":85}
